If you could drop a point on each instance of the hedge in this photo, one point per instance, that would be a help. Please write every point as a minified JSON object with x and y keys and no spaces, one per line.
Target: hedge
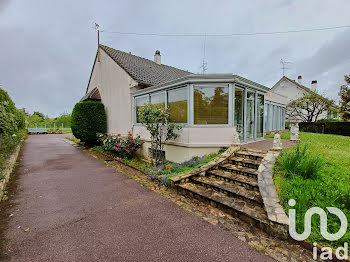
{"x":11,"y":118}
{"x":336,"y":128}
{"x":88,"y":119}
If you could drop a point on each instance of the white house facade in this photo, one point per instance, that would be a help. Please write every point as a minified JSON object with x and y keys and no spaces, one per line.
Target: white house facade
{"x":215,"y":110}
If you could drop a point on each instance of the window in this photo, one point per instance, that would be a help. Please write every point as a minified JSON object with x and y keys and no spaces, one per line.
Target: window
{"x":239,"y":97}
{"x":177,"y":105}
{"x":139,"y":103}
{"x":260,"y":116}
{"x":158,"y":100}
{"x":210,"y":105}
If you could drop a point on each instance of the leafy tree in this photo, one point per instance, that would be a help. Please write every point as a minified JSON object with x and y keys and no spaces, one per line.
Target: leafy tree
{"x":309,"y":107}
{"x":345,"y":100}
{"x":11,"y":119}
{"x":64,"y":118}
{"x":41,"y":115}
{"x":156,"y":120}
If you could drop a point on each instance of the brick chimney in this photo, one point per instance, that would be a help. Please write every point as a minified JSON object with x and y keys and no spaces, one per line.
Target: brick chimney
{"x":313,"y":85}
{"x":300,"y":80}
{"x":157,"y":58}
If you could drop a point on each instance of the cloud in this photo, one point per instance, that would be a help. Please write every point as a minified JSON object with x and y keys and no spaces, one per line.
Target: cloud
{"x":48,"y":47}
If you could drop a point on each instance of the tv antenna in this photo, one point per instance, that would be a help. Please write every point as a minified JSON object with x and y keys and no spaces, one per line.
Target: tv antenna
{"x":204,"y":65}
{"x":98,"y":41}
{"x":285,"y":65}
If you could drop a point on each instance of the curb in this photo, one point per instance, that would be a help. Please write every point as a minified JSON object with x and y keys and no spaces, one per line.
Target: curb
{"x":11,"y":161}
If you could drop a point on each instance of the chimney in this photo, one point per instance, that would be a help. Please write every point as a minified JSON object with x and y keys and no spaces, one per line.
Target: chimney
{"x":157,"y":58}
{"x":313,"y":85}
{"x":300,"y":80}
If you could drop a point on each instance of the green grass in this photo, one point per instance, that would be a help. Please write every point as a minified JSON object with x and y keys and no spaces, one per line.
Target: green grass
{"x":73,"y":139}
{"x":8,"y":143}
{"x":329,"y":188}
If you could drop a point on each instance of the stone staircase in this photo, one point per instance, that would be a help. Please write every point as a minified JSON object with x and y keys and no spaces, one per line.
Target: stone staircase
{"x":232,"y":186}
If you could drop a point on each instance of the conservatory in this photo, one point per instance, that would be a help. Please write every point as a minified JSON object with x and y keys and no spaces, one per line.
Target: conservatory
{"x":215,"y":111}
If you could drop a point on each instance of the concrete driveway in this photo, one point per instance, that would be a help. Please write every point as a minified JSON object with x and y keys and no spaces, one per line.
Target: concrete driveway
{"x":71,"y":207}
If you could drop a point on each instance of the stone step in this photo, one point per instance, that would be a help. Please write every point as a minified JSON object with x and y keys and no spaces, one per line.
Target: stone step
{"x":230,"y":189}
{"x":250,"y":154}
{"x":244,"y":162}
{"x":240,"y":170}
{"x":245,"y":210}
{"x":248,"y":182}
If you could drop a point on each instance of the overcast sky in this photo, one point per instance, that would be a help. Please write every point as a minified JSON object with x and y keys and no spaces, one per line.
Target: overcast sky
{"x":47,"y":47}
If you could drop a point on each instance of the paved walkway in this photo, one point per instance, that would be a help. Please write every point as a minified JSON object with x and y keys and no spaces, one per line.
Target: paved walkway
{"x":267,"y":144}
{"x":78,"y":209}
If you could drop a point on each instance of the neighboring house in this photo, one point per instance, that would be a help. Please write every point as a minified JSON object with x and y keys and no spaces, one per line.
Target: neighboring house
{"x":216,"y":110}
{"x":293,"y":90}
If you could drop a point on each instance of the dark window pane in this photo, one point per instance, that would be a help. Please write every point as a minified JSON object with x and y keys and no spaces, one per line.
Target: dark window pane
{"x":158,"y":100}
{"x":210,"y":105}
{"x":177,"y":105}
{"x":239,"y":112}
{"x":139,"y":103}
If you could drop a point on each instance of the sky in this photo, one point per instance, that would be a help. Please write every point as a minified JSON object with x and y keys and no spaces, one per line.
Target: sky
{"x":47,"y":48}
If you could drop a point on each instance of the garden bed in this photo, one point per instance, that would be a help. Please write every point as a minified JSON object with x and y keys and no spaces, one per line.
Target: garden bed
{"x":327,"y":187}
{"x":163,"y":172}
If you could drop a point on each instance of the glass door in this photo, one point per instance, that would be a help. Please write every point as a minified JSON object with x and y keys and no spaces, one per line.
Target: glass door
{"x":238,"y":112}
{"x":250,"y":120}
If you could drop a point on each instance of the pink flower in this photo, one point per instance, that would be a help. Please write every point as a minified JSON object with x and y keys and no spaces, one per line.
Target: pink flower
{"x":136,"y":149}
{"x":127,"y":150}
{"x":119,"y":145}
{"x":118,"y":135}
{"x":132,"y":141}
{"x":132,"y":148}
{"x":116,"y":148}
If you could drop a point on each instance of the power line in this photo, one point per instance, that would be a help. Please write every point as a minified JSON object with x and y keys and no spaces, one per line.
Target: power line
{"x":227,"y":35}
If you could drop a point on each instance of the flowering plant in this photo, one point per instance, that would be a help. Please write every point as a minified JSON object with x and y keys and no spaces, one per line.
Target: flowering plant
{"x":123,"y":146}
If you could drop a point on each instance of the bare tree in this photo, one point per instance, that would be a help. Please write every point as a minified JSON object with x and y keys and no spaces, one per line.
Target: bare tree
{"x":309,"y":107}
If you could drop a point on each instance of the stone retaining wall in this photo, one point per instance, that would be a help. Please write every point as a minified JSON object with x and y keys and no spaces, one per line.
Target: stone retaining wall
{"x":9,"y":168}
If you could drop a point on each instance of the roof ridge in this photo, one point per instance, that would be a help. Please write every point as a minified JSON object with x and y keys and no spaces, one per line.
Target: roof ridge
{"x":302,"y":86}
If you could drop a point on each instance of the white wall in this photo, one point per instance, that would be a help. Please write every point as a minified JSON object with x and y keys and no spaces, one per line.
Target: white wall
{"x":114,"y":86}
{"x":289,"y":90}
{"x":193,"y":141}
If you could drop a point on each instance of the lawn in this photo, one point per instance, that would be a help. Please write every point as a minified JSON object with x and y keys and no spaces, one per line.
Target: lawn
{"x":329,"y":188}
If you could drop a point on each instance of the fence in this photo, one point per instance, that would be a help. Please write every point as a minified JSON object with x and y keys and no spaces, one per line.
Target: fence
{"x":336,"y":128}
{"x":52,"y":127}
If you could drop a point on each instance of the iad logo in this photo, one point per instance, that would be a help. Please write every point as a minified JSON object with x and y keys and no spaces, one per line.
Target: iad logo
{"x":323,"y":227}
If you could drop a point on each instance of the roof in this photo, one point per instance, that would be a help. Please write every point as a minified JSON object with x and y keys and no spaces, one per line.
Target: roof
{"x":294,"y":82}
{"x":94,"y":94}
{"x":204,"y":78}
{"x":143,"y":70}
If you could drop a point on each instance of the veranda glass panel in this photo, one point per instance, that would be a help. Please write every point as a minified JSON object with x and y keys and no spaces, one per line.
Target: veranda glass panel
{"x":139,"y":103}
{"x":238,"y":113}
{"x":177,"y":105}
{"x":158,"y":100}
{"x":210,"y":105}
{"x":260,"y":116}
{"x":250,"y":114}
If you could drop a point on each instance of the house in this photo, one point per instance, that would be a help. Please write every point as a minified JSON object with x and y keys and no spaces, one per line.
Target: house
{"x":216,"y":110}
{"x":293,"y":90}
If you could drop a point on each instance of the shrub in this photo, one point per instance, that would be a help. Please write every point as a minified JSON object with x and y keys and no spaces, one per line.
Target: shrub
{"x":300,"y":162}
{"x":123,"y":147}
{"x":11,"y":119}
{"x":88,"y":119}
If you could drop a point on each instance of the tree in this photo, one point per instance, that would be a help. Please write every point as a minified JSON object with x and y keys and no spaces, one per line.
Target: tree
{"x":309,"y":107}
{"x":156,"y":121}
{"x":344,"y":94}
{"x":64,"y":118}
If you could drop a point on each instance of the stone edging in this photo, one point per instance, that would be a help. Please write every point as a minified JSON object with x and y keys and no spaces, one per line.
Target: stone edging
{"x":221,"y":158}
{"x":274,"y":210}
{"x":8,"y":170}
